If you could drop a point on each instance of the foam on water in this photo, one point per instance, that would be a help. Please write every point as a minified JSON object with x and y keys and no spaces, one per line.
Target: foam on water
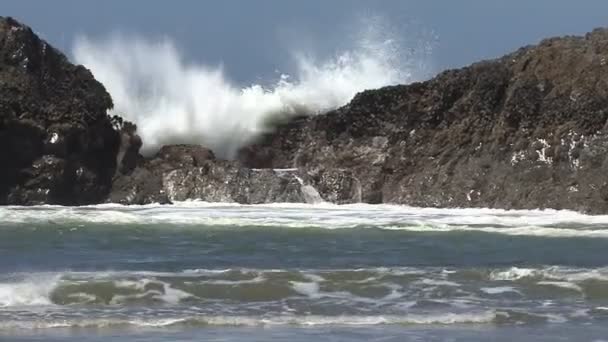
{"x":34,"y":290}
{"x":547,"y":223}
{"x":344,"y":285}
{"x":307,"y":289}
{"x":167,"y":294}
{"x":499,"y":290}
{"x":515,"y":273}
{"x":311,"y":320}
{"x":555,"y":273}
{"x":302,"y":297}
{"x":562,"y":284}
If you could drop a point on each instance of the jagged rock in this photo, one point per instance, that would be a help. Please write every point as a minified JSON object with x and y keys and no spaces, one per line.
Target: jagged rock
{"x":57,"y":144}
{"x":190,"y":172}
{"x":128,"y":154}
{"x":524,"y":131}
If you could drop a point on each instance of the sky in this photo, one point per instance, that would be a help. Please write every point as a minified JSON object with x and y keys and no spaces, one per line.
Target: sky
{"x":252,"y":38}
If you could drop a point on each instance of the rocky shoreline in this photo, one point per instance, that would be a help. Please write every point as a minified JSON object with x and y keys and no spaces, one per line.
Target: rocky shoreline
{"x":524,"y":131}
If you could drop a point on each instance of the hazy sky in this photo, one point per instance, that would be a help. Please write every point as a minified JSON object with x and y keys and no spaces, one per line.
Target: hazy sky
{"x":254,"y":37}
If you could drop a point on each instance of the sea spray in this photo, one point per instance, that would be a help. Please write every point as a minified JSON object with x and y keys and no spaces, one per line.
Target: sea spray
{"x":173,"y":101}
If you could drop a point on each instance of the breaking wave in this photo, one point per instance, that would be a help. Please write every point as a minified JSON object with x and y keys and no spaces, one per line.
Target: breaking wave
{"x":541,"y":223}
{"x":173,"y":101}
{"x":402,"y":288}
{"x":237,"y":296}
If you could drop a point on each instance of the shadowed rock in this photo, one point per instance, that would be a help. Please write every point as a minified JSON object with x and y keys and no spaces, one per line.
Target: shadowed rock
{"x":57,"y":144}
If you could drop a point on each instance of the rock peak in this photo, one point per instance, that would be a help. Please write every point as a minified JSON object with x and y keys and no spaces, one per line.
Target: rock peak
{"x":57,"y":143}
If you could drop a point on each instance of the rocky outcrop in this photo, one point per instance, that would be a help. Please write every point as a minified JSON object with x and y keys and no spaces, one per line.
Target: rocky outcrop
{"x":183,"y":172}
{"x":57,"y":144}
{"x":524,"y":131}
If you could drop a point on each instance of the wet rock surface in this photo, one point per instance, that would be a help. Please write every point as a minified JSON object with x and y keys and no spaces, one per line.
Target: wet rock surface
{"x":524,"y":131}
{"x":186,"y":172}
{"x":57,"y":144}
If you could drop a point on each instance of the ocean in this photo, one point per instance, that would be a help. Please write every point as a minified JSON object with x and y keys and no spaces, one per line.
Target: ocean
{"x":299,"y":272}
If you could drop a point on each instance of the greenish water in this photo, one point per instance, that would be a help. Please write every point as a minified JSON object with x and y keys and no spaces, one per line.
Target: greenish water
{"x":197,"y":271}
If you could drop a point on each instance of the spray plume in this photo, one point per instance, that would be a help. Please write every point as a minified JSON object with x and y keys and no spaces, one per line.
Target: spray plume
{"x":172,"y":101}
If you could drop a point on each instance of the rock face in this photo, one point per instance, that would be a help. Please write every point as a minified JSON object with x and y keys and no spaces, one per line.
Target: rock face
{"x":182,"y":172}
{"x":57,"y":144}
{"x":524,"y":131}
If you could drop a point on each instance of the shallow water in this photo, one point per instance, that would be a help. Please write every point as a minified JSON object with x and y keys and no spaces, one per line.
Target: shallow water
{"x":220,"y":272}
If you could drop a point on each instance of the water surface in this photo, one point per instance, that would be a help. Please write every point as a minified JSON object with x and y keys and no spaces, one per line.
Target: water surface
{"x":219,"y":272}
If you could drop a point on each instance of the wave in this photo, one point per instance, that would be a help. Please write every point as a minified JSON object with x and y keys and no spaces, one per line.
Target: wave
{"x":34,"y":291}
{"x":173,"y":101}
{"x":551,"y":273}
{"x":543,"y":223}
{"x":487,"y":316}
{"x":242,"y":297}
{"x":399,"y":288}
{"x":254,"y":321}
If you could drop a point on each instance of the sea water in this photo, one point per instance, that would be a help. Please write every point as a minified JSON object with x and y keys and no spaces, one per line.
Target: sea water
{"x":296,"y":272}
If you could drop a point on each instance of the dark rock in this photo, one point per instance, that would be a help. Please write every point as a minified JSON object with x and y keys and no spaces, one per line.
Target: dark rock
{"x":128,"y":154}
{"x":185,"y":172}
{"x":527,"y":130}
{"x":57,"y":144}
{"x":185,"y":155}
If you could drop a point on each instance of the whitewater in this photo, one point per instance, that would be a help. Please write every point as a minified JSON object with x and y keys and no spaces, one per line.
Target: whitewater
{"x":289,"y":271}
{"x":174,"y":101}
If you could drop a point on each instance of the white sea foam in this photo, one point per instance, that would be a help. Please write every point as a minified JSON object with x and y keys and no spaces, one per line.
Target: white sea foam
{"x":308,"y":289}
{"x":561,"y":284}
{"x":168,"y":294}
{"x":219,"y":320}
{"x":34,"y":290}
{"x":173,"y":101}
{"x":82,"y":298}
{"x":555,"y":318}
{"x":552,"y":275}
{"x":548,"y":223}
{"x":499,"y":290}
{"x":514,"y":273}
{"x":257,"y":280}
{"x":45,"y":300}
